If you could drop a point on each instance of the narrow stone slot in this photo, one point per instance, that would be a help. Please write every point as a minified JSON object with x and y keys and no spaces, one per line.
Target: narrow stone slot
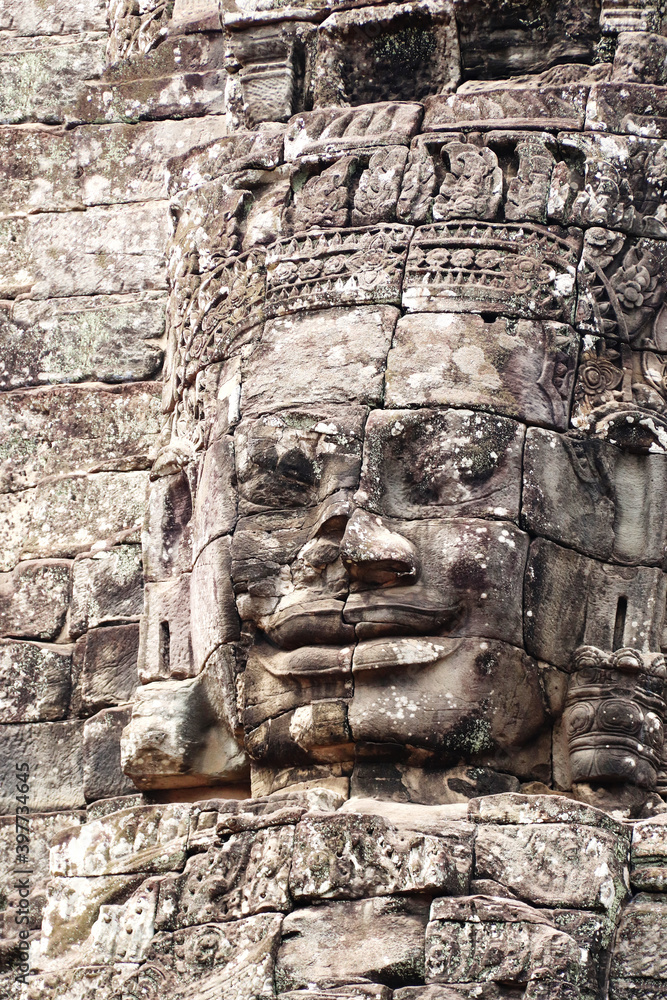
{"x":619,"y":624}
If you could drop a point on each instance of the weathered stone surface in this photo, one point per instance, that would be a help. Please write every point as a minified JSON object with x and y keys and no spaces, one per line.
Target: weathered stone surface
{"x":639,"y":953}
{"x":649,"y":855}
{"x":555,"y":865}
{"x":102,"y":773}
{"x":108,"y":659}
{"x":248,"y":874}
{"x":107,"y":588}
{"x":563,"y":586}
{"x":297,"y":457}
{"x":93,"y":164}
{"x":34,"y":598}
{"x":36,"y":681}
{"x":453,"y":462}
{"x":62,"y":17}
{"x":150,"y":839}
{"x":526,"y":945}
{"x":42,"y":77}
{"x":593,"y":497}
{"x":381,"y":940}
{"x":224,"y":960}
{"x":442,"y":702}
{"x":110,"y":338}
{"x":519,"y":368}
{"x":521,"y":809}
{"x":182,"y":732}
{"x":73,"y":906}
{"x":526,"y":37}
{"x":623,"y":107}
{"x":515,"y":269}
{"x":53,"y":752}
{"x":69,"y":515}
{"x":509,"y":107}
{"x":51,"y":432}
{"x":181,"y":77}
{"x":215,"y":514}
{"x":292,"y":365}
{"x":123,"y":932}
{"x":108,"y":250}
{"x":44,"y":828}
{"x":211,"y":595}
{"x":364,"y":56}
{"x":351,"y":856}
{"x":338,"y":130}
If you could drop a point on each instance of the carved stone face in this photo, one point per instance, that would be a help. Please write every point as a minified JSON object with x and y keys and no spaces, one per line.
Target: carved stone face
{"x":415,"y":394}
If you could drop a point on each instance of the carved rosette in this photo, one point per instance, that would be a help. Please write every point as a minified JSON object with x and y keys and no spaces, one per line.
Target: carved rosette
{"x":614,"y":716}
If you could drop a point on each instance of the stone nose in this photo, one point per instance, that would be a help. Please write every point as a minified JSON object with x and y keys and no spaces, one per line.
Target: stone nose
{"x":375,"y":555}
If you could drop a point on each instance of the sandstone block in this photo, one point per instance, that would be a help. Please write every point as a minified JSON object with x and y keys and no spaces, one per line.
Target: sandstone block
{"x":563,"y":586}
{"x":515,"y":269}
{"x":73,"y":906}
{"x":381,"y":940}
{"x":593,"y":497}
{"x":107,"y":588}
{"x":215,"y":507}
{"x":35,"y":681}
{"x":102,"y":772}
{"x":165,"y":643}
{"x":519,"y":368}
{"x":623,"y":107}
{"x":34,"y":598}
{"x":520,"y":809}
{"x":362,"y":58}
{"x":213,"y":616}
{"x":350,"y":856}
{"x":181,"y":76}
{"x":513,"y":107}
{"x":108,"y":667}
{"x":41,"y":78}
{"x":61,"y":18}
{"x":639,"y":953}
{"x":464,"y":933}
{"x":68,"y":515}
{"x":340,"y":130}
{"x":297,"y":457}
{"x":429,"y":462}
{"x":167,"y":534}
{"x":332,"y":356}
{"x":109,"y":338}
{"x":228,"y":960}
{"x":56,"y":431}
{"x":123,"y":932}
{"x":499,"y":42}
{"x":149,"y":839}
{"x":95,"y":164}
{"x":470,"y":579}
{"x":649,"y":855}
{"x":445,"y":704}
{"x":53,"y":751}
{"x":555,"y":864}
{"x":182,"y":732}
{"x":44,"y":829}
{"x":107,"y":250}
{"x":248,"y":874}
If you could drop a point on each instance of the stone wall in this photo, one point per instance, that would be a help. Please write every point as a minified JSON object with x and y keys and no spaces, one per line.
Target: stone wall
{"x":162,"y":164}
{"x":84,"y":224}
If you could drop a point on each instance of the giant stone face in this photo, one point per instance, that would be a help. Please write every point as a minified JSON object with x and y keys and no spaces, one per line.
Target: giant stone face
{"x":408,"y":524}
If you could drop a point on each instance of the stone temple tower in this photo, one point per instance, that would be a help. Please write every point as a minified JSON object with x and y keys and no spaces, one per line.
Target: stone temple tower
{"x":333,"y":589}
